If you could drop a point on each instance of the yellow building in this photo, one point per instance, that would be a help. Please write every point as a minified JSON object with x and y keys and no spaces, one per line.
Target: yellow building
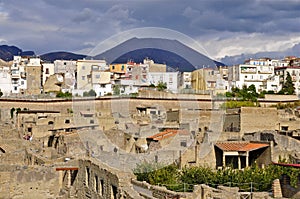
{"x":198,"y":80}
{"x":118,"y":68}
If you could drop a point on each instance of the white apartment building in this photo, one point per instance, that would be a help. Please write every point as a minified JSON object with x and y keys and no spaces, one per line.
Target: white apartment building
{"x":128,"y":86}
{"x":48,"y":70}
{"x":18,"y":75}
{"x":5,"y":80}
{"x":186,"y":80}
{"x":172,"y":79}
{"x":294,"y":71}
{"x":101,"y":82}
{"x":68,"y":69}
{"x":255,"y":71}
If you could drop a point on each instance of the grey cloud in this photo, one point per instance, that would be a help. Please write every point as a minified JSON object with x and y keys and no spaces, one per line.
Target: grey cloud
{"x":85,"y":15}
{"x":68,"y":24}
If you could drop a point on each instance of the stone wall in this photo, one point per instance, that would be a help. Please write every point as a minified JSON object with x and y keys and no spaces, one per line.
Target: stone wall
{"x":96,"y":180}
{"x":254,"y":119}
{"x":283,"y":147}
{"x":287,"y":190}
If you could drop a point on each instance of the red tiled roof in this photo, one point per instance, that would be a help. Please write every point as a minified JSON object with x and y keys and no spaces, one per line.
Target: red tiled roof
{"x":240,"y":146}
{"x":287,"y":165}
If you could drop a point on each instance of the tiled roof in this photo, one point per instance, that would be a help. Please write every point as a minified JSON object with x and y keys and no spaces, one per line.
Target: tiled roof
{"x":240,"y":146}
{"x":287,"y":165}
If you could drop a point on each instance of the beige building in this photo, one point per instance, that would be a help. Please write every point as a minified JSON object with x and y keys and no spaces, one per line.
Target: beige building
{"x":84,"y":72}
{"x":204,"y":79}
{"x":34,"y":76}
{"x":155,"y":67}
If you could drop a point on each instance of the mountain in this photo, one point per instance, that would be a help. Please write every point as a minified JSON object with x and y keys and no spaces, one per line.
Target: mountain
{"x":158,"y":56}
{"x":171,"y":52}
{"x":239,"y":59}
{"x":7,"y":52}
{"x":61,"y":55}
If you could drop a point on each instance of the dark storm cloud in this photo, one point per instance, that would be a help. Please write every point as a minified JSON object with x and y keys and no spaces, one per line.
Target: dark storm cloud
{"x":69,"y":25}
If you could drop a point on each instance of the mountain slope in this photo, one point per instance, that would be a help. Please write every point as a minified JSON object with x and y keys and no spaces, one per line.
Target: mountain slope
{"x":61,"y":55}
{"x":194,"y":58}
{"x":7,"y":52}
{"x":158,"y":56}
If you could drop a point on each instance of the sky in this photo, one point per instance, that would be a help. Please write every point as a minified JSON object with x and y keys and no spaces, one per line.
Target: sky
{"x":221,"y":27}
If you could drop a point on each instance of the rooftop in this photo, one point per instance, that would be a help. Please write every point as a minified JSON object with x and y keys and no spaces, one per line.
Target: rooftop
{"x":240,"y":146}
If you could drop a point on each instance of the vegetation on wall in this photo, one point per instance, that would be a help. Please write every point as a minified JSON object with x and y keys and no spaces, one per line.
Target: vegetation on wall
{"x":161,"y":86}
{"x":64,"y":95}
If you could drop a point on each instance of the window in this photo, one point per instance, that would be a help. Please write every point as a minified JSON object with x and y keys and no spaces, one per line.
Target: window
{"x":22,"y":82}
{"x":83,"y":77}
{"x":122,"y":67}
{"x":47,"y":71}
{"x":92,"y":122}
{"x":67,"y":121}
{"x":15,"y":88}
{"x":113,"y":67}
{"x":97,"y":76}
{"x":83,"y":67}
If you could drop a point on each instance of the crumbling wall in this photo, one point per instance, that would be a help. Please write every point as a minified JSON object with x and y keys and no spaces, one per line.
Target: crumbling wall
{"x":96,"y":180}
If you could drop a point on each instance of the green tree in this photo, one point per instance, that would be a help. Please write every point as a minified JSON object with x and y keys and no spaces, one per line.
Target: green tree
{"x":1,"y":93}
{"x":116,"y":90}
{"x":90,"y":93}
{"x":288,"y":86}
{"x":161,"y":86}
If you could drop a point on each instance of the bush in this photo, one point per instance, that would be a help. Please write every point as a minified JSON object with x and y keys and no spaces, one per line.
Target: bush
{"x":238,"y":104}
{"x":91,"y":93}
{"x":254,"y":178}
{"x":64,"y":95}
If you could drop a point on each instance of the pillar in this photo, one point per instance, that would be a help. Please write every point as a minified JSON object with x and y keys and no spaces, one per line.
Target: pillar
{"x":224,"y":160}
{"x":60,"y":179}
{"x":239,"y":162}
{"x":277,"y":193}
{"x":247,"y":158}
{"x":69,"y":178}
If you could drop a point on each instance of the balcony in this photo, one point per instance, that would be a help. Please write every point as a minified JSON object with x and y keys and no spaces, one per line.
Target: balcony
{"x":15,"y":82}
{"x":265,"y":72}
{"x":15,"y":75}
